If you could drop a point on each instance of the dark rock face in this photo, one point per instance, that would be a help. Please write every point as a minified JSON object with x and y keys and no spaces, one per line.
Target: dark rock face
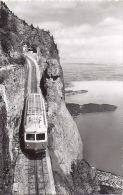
{"x":64,"y":138}
{"x":54,"y":73}
{"x":104,"y":189}
{"x":5,"y":161}
{"x":76,"y":109}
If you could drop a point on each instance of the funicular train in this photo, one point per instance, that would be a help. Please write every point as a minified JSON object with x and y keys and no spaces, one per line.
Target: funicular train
{"x":35,"y":123}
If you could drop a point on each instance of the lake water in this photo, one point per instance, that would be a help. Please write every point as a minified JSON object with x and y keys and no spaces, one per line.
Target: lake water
{"x":101,"y":133}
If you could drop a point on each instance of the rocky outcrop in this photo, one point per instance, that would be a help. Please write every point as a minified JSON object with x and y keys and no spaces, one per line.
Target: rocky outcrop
{"x":64,"y":138}
{"x":109,"y":183}
{"x":89,"y":180}
{"x":12,"y":90}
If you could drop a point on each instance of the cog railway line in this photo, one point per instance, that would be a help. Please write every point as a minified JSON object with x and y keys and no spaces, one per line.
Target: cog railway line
{"x":37,"y":165}
{"x":37,"y":176}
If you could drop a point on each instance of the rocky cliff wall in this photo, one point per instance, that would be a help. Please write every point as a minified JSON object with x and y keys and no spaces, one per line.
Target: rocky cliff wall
{"x":12,"y":91}
{"x":3,"y":123}
{"x":63,"y":136}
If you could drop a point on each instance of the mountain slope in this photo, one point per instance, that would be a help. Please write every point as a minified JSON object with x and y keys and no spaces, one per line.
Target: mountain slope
{"x":16,"y":32}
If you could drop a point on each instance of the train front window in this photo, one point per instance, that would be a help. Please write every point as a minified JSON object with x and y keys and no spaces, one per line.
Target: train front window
{"x":30,"y":136}
{"x":40,"y":136}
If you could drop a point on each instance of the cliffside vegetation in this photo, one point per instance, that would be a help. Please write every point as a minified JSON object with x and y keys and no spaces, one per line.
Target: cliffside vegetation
{"x":16,"y":32}
{"x":89,"y":180}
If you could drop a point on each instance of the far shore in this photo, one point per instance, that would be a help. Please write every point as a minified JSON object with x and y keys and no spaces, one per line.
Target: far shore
{"x":71,"y":92}
{"x":76,"y":109}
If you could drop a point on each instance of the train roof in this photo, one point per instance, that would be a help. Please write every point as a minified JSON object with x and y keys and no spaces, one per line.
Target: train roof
{"x":35,"y":104}
{"x":35,"y":128}
{"x":35,"y":113}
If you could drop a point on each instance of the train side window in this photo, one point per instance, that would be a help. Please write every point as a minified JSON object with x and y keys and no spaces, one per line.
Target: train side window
{"x":40,"y":136}
{"x":30,"y":136}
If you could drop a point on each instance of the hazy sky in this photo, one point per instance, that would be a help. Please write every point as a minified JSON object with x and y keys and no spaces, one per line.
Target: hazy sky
{"x":84,"y":31}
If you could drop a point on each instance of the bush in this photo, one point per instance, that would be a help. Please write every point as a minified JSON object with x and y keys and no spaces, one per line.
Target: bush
{"x":3,"y":61}
{"x":21,"y":60}
{"x":3,"y":75}
{"x":84,"y":178}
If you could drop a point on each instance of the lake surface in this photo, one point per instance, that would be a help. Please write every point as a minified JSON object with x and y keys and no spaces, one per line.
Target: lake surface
{"x":88,"y":72}
{"x":101,"y":133}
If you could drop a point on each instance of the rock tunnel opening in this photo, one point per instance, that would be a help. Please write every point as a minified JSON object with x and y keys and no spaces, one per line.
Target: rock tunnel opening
{"x":54,"y":77}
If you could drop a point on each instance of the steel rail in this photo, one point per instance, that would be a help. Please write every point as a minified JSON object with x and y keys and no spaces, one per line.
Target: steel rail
{"x":44,"y":187}
{"x":43,"y":178}
{"x":31,"y":176}
{"x":36,"y":178}
{"x":33,"y":76}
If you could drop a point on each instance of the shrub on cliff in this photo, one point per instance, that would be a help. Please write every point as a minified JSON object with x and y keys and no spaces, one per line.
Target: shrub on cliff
{"x":84,"y":178}
{"x":7,"y":28}
{"x":20,"y":60}
{"x":3,"y":75}
{"x":3,"y":60}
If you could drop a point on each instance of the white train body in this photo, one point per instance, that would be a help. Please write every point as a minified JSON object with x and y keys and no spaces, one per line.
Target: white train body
{"x":35,"y":123}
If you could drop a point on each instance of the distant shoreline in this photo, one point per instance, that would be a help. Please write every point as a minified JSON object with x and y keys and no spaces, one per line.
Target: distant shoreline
{"x":71,"y":92}
{"x":76,"y":109}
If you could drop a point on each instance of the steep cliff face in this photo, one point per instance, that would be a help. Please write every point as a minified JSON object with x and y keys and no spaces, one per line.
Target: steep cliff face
{"x":64,"y":138}
{"x":12,"y":90}
{"x":4,"y":159}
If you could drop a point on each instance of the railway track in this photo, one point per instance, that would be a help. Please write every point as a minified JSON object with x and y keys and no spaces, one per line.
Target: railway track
{"x":37,"y":176}
{"x":33,"y":77}
{"x":37,"y":166}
